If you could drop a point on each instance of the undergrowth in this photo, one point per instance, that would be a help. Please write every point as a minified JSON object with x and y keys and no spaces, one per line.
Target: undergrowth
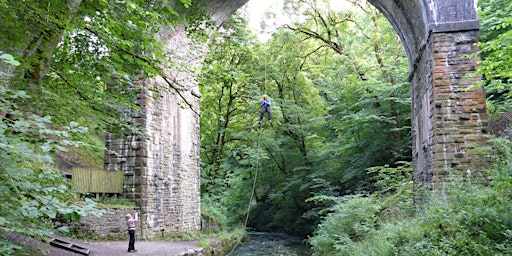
{"x":114,"y":202}
{"x":223,"y":242}
{"x":466,"y":218}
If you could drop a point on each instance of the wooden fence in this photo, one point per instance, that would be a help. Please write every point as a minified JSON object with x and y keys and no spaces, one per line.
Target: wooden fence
{"x":97,"y":181}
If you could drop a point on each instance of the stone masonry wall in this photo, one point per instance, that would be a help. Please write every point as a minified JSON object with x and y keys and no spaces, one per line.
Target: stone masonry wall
{"x":459,"y":110}
{"x":422,"y":118}
{"x":161,"y":169}
{"x":111,"y":226}
{"x":449,"y":117}
{"x":170,"y":180}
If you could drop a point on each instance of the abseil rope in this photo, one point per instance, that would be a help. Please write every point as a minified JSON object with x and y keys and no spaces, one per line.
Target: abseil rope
{"x":252,"y":192}
{"x":257,"y":164}
{"x":265,"y":84}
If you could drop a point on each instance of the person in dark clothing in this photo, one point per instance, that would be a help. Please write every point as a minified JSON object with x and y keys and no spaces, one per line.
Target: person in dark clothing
{"x":130,"y":223}
{"x":265,"y":107}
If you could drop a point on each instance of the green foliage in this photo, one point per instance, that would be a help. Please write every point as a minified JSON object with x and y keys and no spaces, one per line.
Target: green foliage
{"x":350,"y":221}
{"x":33,"y":191}
{"x":8,"y":59}
{"x":186,"y":3}
{"x":115,"y":202}
{"x":80,"y":60}
{"x":214,"y":213}
{"x":495,"y":34}
{"x":388,"y":180}
{"x":463,"y":219}
{"x":108,"y":46}
{"x":322,"y":137}
{"x":8,"y":248}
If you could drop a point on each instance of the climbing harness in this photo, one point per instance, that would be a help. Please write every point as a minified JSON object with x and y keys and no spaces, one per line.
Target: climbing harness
{"x":252,"y":192}
{"x":265,"y":97}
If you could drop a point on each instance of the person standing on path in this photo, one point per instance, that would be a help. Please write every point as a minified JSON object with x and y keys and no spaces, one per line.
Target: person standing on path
{"x":130,"y":223}
{"x":265,"y":107}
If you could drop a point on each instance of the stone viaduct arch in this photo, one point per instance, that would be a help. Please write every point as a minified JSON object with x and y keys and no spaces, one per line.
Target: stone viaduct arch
{"x":162,"y":170}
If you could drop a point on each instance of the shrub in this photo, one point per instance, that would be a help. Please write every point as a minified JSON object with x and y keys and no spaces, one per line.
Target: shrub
{"x":34,"y":193}
{"x":465,"y":218}
{"x":349,"y":222}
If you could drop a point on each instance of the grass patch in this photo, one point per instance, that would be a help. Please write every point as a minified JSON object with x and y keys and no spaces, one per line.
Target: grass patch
{"x":219,"y":243}
{"x":115,"y":203}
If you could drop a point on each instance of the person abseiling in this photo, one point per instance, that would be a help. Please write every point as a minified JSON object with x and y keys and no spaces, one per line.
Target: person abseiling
{"x":265,"y":107}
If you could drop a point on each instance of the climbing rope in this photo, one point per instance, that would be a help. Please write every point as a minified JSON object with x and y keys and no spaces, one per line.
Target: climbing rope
{"x":252,"y":192}
{"x":265,"y":84}
{"x":257,"y":164}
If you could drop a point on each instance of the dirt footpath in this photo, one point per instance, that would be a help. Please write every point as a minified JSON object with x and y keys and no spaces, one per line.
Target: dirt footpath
{"x":108,"y":248}
{"x":119,"y":248}
{"x":151,"y":248}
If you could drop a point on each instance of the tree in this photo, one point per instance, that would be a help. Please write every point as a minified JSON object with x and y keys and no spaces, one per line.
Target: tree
{"x":93,"y":52}
{"x":228,"y":84}
{"x":326,"y":110}
{"x":33,"y":190}
{"x":77,"y":63}
{"x":496,"y":52}
{"x":369,"y":52}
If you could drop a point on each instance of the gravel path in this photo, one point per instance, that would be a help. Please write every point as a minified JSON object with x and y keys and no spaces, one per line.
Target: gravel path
{"x":143,"y":248}
{"x":109,"y":248}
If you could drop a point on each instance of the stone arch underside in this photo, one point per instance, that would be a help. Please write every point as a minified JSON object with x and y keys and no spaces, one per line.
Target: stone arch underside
{"x":162,"y":170}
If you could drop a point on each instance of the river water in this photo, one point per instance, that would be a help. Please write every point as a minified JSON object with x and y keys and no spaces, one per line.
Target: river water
{"x":269,"y":244}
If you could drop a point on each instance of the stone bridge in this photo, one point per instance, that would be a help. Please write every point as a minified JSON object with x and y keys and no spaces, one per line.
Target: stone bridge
{"x":448,"y":121}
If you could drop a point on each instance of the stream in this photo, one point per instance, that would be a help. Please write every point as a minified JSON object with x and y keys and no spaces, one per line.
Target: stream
{"x":268,"y":244}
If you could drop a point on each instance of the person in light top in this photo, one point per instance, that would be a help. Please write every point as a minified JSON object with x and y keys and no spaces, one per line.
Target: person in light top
{"x":130,"y":223}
